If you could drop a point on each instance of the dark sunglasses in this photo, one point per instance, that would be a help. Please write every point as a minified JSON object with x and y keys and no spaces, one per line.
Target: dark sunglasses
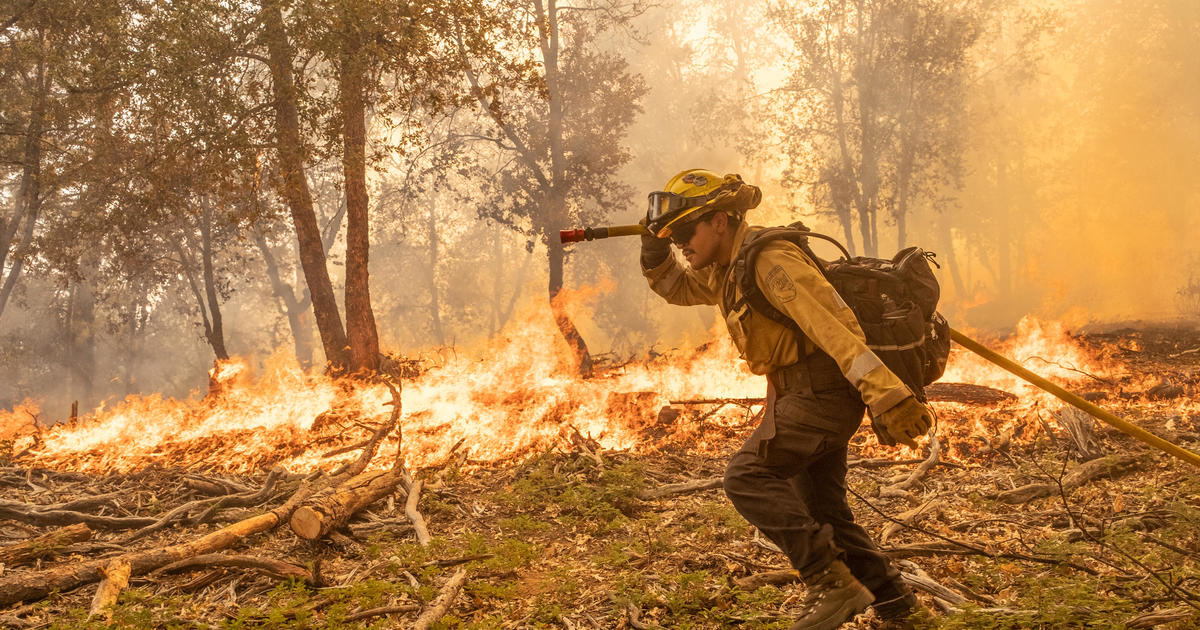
{"x":683,"y":234}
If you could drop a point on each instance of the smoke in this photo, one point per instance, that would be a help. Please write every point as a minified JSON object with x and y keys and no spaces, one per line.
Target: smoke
{"x":1079,"y":198}
{"x":1099,"y":194}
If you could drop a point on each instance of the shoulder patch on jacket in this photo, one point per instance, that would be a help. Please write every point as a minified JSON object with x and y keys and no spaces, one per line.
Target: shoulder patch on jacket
{"x":780,"y":283}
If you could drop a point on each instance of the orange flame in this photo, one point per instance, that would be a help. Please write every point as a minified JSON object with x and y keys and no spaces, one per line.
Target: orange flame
{"x":516,"y":393}
{"x":1044,"y":347}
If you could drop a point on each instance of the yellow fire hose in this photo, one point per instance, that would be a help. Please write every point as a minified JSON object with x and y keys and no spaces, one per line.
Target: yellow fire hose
{"x":593,"y":233}
{"x":1071,"y":399}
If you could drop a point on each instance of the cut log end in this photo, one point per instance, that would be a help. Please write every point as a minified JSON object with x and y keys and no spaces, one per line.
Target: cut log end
{"x":306,"y":522}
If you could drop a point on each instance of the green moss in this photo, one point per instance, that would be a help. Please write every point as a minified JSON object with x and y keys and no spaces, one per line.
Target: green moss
{"x":512,"y":554}
{"x":524,"y":524}
{"x":578,"y":492}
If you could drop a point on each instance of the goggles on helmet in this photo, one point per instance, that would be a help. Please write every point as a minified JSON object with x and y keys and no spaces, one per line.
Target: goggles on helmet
{"x":667,"y":208}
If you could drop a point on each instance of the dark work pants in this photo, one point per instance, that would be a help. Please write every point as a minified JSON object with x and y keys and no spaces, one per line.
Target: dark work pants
{"x":789,"y":478}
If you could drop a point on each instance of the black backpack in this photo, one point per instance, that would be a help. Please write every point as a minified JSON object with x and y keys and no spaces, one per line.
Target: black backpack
{"x":894,"y":300}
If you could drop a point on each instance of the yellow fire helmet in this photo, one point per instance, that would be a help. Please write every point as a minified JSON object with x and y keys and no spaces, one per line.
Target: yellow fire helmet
{"x":694,"y":193}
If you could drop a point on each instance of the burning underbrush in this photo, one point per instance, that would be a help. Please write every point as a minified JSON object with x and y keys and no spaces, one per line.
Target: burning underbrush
{"x":516,"y":395}
{"x":501,"y":490}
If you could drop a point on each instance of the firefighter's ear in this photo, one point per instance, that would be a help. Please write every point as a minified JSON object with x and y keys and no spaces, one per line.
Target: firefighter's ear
{"x":720,"y":222}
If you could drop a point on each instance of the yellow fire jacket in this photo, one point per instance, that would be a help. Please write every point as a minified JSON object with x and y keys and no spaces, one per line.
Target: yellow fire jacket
{"x":793,"y":284}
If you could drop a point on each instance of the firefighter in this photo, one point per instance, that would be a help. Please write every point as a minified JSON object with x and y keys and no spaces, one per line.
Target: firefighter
{"x":789,"y":478}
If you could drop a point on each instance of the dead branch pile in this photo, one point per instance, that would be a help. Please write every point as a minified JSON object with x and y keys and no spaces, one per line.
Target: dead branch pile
{"x":144,"y":526}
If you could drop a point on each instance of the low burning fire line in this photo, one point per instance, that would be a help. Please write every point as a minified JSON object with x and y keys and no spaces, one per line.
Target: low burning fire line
{"x":1071,"y":399}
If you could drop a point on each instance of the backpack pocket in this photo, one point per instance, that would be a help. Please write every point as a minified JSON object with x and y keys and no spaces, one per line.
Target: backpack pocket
{"x":899,"y":340}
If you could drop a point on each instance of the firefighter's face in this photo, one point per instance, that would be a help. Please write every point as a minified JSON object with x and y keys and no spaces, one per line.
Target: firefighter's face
{"x":700,"y":240}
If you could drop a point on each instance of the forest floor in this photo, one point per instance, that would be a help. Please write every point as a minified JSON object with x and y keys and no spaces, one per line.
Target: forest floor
{"x":1006,"y":528}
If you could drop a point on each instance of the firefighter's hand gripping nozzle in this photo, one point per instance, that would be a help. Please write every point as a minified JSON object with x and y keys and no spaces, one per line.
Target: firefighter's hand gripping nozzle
{"x":593,"y":233}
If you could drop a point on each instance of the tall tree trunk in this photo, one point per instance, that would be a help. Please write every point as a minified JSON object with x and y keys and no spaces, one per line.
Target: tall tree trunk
{"x":133,"y":341}
{"x":947,"y":245}
{"x":904,"y":183}
{"x":839,"y":184}
{"x":435,"y":311}
{"x":295,"y":190}
{"x":847,"y":221}
{"x":1003,"y":234}
{"x":868,"y":208}
{"x":296,"y":310}
{"x":217,"y":331}
{"x":14,"y":274}
{"x":849,"y":171}
{"x":555,"y":209}
{"x":29,"y":194}
{"x":188,"y":268}
{"x":869,"y":134}
{"x":81,"y":341}
{"x":570,"y":333}
{"x":360,"y":320}
{"x":502,"y":309}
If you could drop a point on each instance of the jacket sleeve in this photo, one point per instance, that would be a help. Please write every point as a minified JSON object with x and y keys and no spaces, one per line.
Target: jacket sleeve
{"x":794,"y":285}
{"x":680,"y":285}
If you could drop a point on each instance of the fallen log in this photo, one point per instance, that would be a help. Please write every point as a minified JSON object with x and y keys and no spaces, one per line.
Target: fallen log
{"x":247,"y":499}
{"x":685,"y":487}
{"x":214,"y":487}
{"x":350,"y":488}
{"x":178,"y":513}
{"x":29,"y":514}
{"x":907,"y":519}
{"x":438,"y":608}
{"x":1087,"y":472}
{"x":29,"y":587}
{"x":967,"y":394}
{"x":212,"y":504}
{"x":44,"y":546}
{"x":901,"y":489}
{"x":320,"y":515}
{"x":382,"y":610}
{"x":916,"y":577}
{"x":267,"y":566}
{"x":756,"y":581}
{"x":82,"y":502}
{"x":414,"y":515}
{"x":116,"y":579}
{"x":1156,"y":618}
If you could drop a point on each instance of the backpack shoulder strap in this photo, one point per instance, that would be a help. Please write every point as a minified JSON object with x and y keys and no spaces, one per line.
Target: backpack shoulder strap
{"x":747,"y":258}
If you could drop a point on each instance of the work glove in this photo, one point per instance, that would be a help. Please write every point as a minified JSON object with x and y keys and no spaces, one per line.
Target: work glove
{"x":654,"y":250}
{"x":903,"y":423}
